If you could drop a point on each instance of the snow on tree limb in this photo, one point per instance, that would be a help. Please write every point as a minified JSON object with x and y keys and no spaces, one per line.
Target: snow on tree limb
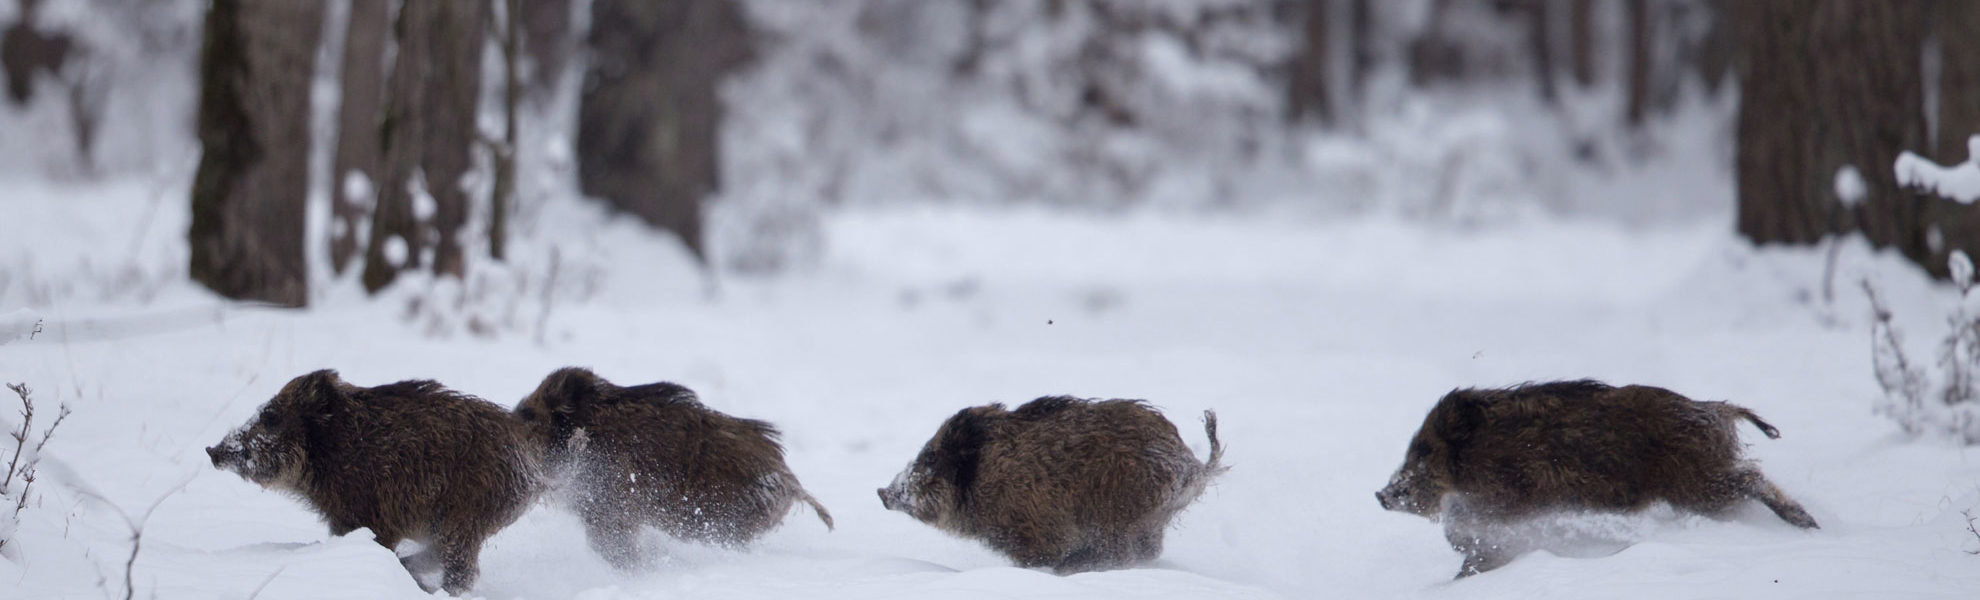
{"x":1960,"y":182}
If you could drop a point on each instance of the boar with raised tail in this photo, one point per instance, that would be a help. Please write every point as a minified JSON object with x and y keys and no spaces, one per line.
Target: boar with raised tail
{"x":1488,"y":457}
{"x":655,"y":455}
{"x":410,"y":460}
{"x":1071,"y":484}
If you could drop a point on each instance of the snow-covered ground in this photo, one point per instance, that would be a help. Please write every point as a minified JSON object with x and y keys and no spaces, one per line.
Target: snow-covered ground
{"x":1320,"y":344}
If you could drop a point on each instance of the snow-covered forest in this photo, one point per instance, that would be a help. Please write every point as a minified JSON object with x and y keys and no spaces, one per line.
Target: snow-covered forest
{"x":854,"y":218}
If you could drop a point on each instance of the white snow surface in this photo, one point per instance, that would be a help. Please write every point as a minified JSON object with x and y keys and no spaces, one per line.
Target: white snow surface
{"x":1320,"y":344}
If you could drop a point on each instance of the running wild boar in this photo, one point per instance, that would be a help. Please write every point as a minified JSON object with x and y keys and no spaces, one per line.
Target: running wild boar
{"x":1071,"y":484}
{"x":654,"y":455}
{"x":410,"y":460}
{"x":1488,"y":457}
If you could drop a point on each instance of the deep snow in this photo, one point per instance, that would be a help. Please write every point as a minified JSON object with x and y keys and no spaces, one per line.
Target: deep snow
{"x":1320,"y":344}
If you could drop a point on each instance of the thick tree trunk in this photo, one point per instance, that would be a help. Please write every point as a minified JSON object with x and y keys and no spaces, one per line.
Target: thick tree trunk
{"x":650,"y":114}
{"x":503,"y":195}
{"x":247,"y":198}
{"x":1307,"y":87}
{"x":396,"y":234}
{"x":460,"y":31}
{"x":1958,"y":26}
{"x":1824,"y":85}
{"x":428,"y":130}
{"x":357,"y":127}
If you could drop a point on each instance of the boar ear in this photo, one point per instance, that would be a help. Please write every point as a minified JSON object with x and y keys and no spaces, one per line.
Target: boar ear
{"x":571,"y":389}
{"x":1463,"y":412}
{"x":962,"y":448}
{"x":322,"y":395}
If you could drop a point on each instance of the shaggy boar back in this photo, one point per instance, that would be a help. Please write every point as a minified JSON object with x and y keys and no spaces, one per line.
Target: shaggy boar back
{"x":1070,"y":484}
{"x":409,"y":460}
{"x":1484,"y":457}
{"x":654,"y":455}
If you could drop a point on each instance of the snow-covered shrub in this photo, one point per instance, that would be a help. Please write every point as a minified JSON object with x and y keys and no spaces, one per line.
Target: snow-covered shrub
{"x":1092,"y":104}
{"x":22,"y":463}
{"x":1942,"y":401}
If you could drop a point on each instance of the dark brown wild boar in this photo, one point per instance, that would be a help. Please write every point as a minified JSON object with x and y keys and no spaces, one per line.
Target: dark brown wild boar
{"x":410,"y":460}
{"x":1487,"y":457}
{"x":1071,"y":484}
{"x":653,"y":454}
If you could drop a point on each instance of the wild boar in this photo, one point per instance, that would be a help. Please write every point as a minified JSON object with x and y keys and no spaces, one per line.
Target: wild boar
{"x":653,"y":454}
{"x":1066,"y":483}
{"x":410,"y":460}
{"x":1487,"y":457}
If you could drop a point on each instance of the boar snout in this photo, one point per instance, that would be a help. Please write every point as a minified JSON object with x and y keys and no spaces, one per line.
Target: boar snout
{"x":889,"y":499}
{"x":217,"y":454}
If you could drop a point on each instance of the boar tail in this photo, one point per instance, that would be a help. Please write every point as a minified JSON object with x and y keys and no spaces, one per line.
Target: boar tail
{"x":1216,"y":463}
{"x":823,"y":515}
{"x":1745,"y":413}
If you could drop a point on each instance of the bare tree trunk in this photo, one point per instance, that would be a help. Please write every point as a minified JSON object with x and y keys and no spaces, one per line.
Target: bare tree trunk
{"x":357,"y":127}
{"x":547,"y":36}
{"x":504,"y":192}
{"x":1958,"y":25}
{"x":396,"y":236}
{"x":428,"y":130}
{"x":1824,"y":85}
{"x":1361,"y":34}
{"x":452,"y":105}
{"x":1307,"y":87}
{"x":1638,"y":94}
{"x":247,"y":197}
{"x":1540,"y":39}
{"x":1581,"y":30}
{"x":650,"y":114}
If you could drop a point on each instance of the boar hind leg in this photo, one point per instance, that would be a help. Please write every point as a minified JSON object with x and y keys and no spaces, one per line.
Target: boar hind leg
{"x":460,"y":556}
{"x":613,"y":537}
{"x":1759,"y":488}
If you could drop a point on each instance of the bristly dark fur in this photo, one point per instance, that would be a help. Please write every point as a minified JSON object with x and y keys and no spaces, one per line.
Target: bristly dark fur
{"x":1060,"y":482}
{"x":1485,"y":457}
{"x":409,"y":460}
{"x":654,"y":455}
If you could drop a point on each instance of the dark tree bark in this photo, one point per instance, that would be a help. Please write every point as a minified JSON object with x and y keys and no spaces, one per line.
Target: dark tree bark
{"x":502,"y":196}
{"x":546,"y":26}
{"x":1307,"y":87}
{"x":1361,"y":40}
{"x":26,"y":51}
{"x":428,"y":128}
{"x":247,"y":197}
{"x":650,"y":114}
{"x":1581,"y":33}
{"x":1828,"y":84}
{"x":460,"y":31}
{"x":1540,"y":40}
{"x":401,"y":134}
{"x":357,"y":125}
{"x":1637,"y":96}
{"x":1958,"y":25}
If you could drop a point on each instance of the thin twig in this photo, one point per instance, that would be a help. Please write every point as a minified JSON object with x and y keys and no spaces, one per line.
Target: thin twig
{"x":20,"y":437}
{"x":265,"y":582}
{"x":1970,"y":529}
{"x":136,"y":526}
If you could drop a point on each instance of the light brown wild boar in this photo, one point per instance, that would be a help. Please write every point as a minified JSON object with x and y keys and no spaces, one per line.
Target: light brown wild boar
{"x":1071,"y":484}
{"x":1487,"y":457}
{"x":410,"y":460}
{"x":653,"y":454}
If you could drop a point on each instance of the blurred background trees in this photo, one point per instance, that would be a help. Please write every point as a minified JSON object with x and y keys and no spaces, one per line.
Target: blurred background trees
{"x":732,"y":123}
